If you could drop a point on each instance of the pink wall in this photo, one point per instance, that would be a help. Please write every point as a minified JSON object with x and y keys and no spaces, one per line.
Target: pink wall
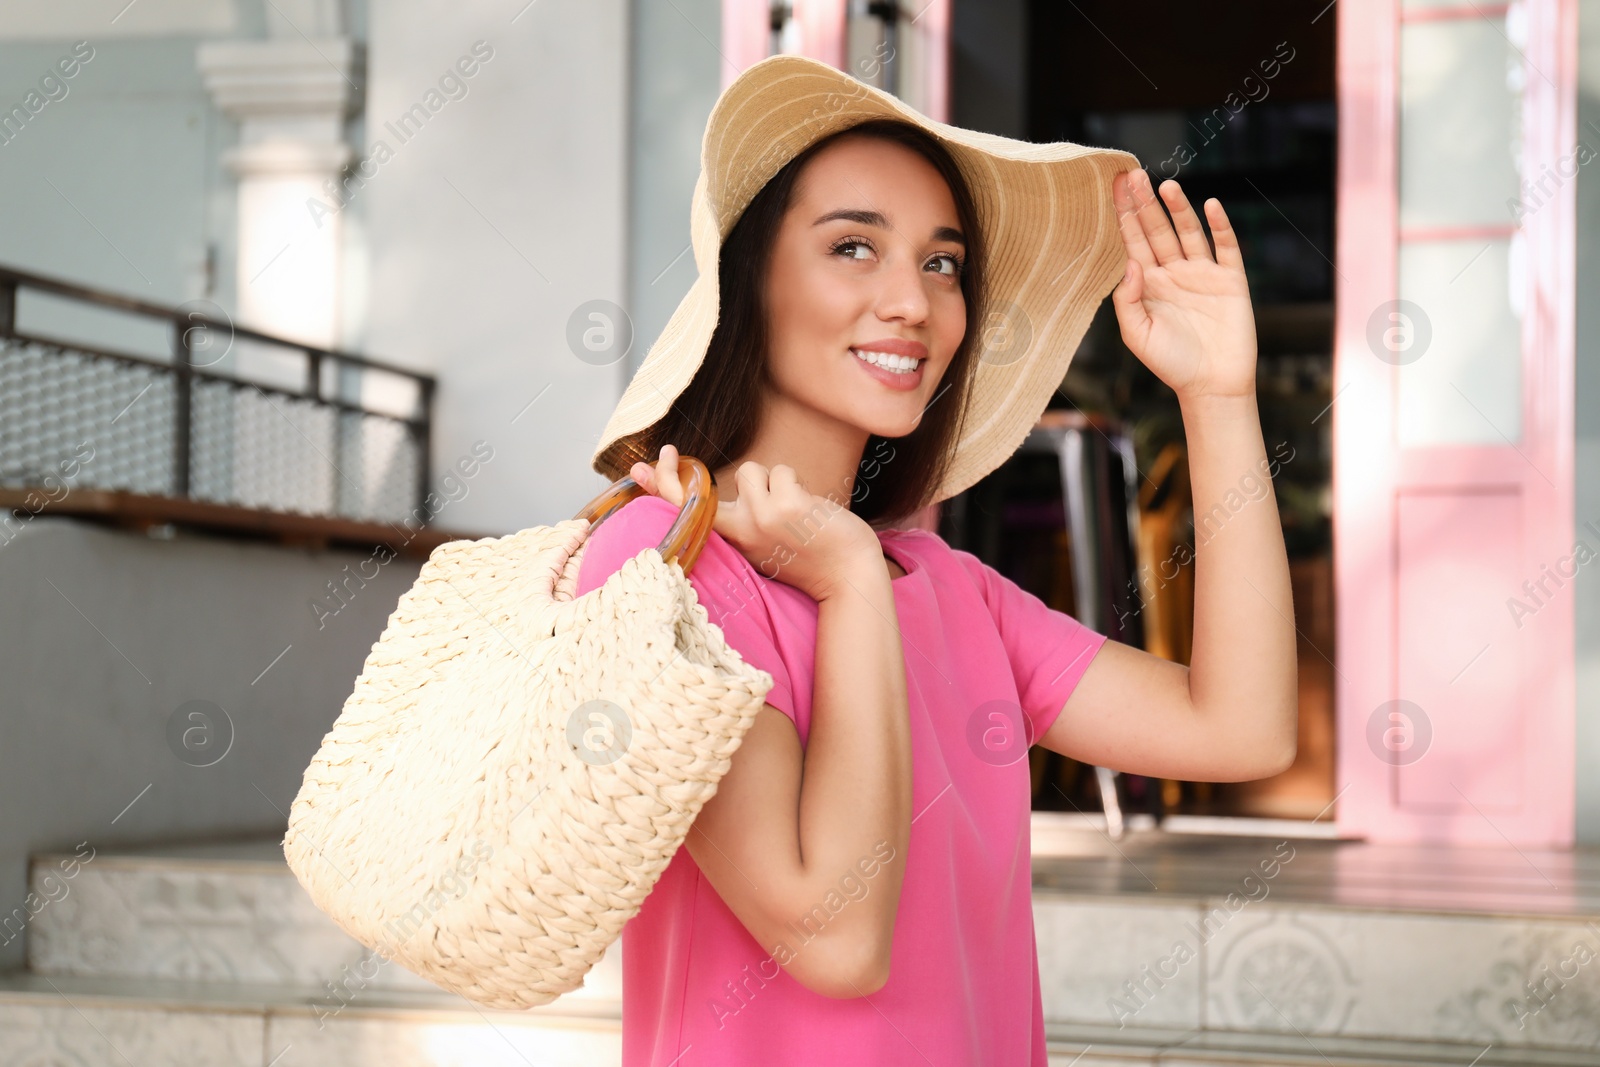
{"x":1431,"y":543}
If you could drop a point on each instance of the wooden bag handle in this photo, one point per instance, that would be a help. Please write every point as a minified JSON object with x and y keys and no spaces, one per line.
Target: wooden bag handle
{"x":688,"y":533}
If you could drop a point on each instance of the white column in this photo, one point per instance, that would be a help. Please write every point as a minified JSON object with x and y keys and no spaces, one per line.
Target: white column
{"x":291,"y":96}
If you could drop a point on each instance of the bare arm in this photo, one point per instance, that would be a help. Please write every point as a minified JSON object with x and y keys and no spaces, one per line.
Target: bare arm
{"x":807,"y":846}
{"x":1232,"y":714}
{"x":791,"y":834}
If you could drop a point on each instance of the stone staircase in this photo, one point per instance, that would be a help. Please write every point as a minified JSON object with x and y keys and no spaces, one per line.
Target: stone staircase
{"x":211,"y":955}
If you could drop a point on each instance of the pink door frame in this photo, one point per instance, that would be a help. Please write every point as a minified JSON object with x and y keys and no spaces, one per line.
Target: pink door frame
{"x":746,"y":30}
{"x":746,"y":35}
{"x":1432,"y":545}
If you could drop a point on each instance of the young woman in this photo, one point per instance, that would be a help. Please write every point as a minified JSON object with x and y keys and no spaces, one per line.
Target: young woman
{"x":858,"y":890}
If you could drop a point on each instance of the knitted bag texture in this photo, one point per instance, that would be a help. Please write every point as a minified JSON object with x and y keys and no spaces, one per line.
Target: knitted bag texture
{"x":516,"y":767}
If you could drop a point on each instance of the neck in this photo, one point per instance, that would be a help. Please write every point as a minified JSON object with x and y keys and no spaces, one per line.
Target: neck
{"x":825,"y":453}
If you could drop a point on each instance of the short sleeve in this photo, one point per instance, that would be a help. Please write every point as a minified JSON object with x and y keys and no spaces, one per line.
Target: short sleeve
{"x":1049,"y":650}
{"x":725,"y":585}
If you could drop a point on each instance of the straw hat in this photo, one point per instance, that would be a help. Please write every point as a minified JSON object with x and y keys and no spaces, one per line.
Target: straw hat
{"x":1044,"y":210}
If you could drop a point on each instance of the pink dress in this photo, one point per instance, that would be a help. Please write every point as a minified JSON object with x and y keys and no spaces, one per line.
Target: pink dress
{"x":988,"y":668}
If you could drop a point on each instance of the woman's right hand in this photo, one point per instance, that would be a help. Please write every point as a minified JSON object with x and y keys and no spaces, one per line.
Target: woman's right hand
{"x":810,"y":542}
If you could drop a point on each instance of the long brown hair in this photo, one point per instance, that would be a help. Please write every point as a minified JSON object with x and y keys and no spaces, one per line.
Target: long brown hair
{"x":716,"y":417}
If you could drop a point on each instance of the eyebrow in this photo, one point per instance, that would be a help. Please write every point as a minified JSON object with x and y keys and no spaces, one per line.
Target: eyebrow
{"x":876,"y":218}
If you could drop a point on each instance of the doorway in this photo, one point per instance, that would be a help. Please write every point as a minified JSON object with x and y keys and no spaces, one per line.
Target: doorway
{"x":1247,"y":114}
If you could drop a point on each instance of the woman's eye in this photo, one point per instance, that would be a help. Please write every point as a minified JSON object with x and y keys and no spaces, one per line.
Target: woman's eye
{"x":849,"y":247}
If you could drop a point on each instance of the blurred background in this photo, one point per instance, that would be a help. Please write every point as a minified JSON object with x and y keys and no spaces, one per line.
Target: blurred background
{"x":293,"y":291}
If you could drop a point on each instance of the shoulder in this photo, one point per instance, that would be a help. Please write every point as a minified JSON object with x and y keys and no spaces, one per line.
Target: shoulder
{"x":955,"y":569}
{"x":920,"y":541}
{"x":643,"y":523}
{"x":642,"y":514}
{"x":639,"y":524}
{"x":636,"y":520}
{"x":931,"y":550}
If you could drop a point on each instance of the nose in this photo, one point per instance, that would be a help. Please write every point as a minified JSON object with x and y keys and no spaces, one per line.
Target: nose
{"x":903,"y":294}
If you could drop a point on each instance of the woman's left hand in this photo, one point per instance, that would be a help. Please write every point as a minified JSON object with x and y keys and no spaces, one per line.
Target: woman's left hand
{"x":1185,"y":314}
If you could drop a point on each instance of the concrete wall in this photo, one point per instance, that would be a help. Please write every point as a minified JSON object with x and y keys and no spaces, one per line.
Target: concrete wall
{"x":104,"y":635}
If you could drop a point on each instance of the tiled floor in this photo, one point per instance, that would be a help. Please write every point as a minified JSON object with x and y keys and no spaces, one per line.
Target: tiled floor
{"x":1085,"y":862}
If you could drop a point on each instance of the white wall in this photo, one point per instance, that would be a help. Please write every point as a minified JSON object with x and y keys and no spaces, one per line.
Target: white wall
{"x":115,"y":185}
{"x":676,"y":78}
{"x":486,"y":231}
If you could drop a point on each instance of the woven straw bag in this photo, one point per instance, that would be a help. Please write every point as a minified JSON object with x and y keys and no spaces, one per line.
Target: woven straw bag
{"x":516,"y":767}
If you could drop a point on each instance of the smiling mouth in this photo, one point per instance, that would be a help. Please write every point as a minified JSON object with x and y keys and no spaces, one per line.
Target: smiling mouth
{"x":892,"y":364}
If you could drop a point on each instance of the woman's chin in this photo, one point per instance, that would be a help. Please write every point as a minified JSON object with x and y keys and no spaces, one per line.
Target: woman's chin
{"x":891,"y":424}
{"x":884,"y":416}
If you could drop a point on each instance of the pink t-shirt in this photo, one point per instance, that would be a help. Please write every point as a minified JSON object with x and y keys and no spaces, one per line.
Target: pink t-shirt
{"x":988,"y":668}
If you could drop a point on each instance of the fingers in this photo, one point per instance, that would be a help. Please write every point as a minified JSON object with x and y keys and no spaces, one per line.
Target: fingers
{"x":1128,"y":220}
{"x":781,"y":477}
{"x":753,"y":479}
{"x":1190,"y":233}
{"x":762,"y":487}
{"x":1150,"y":238}
{"x":662,"y":479}
{"x":1157,"y":230}
{"x":1222,"y":233}
{"x":738,"y":516}
{"x":1127,"y":301}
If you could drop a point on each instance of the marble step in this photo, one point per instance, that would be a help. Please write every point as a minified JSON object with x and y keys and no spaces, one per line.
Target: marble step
{"x":155,"y":1023}
{"x":82,"y":1021}
{"x":1180,"y":941}
{"x":1493,"y":947}
{"x":228,"y":911}
{"x":1316,"y":971}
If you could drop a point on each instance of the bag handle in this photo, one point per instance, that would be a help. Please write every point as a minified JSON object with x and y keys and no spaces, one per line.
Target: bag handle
{"x":687,"y":535}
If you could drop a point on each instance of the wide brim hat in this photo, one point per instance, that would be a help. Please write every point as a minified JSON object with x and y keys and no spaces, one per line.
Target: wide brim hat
{"x":1045,"y":214}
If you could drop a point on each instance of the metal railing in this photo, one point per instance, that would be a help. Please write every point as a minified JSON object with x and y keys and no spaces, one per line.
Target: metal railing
{"x":209,"y":422}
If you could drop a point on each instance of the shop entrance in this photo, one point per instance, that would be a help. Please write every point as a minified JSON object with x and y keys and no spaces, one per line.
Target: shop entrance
{"x":1107,"y":532}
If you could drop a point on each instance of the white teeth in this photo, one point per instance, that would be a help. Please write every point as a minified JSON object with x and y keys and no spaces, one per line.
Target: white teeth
{"x":898,"y":364}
